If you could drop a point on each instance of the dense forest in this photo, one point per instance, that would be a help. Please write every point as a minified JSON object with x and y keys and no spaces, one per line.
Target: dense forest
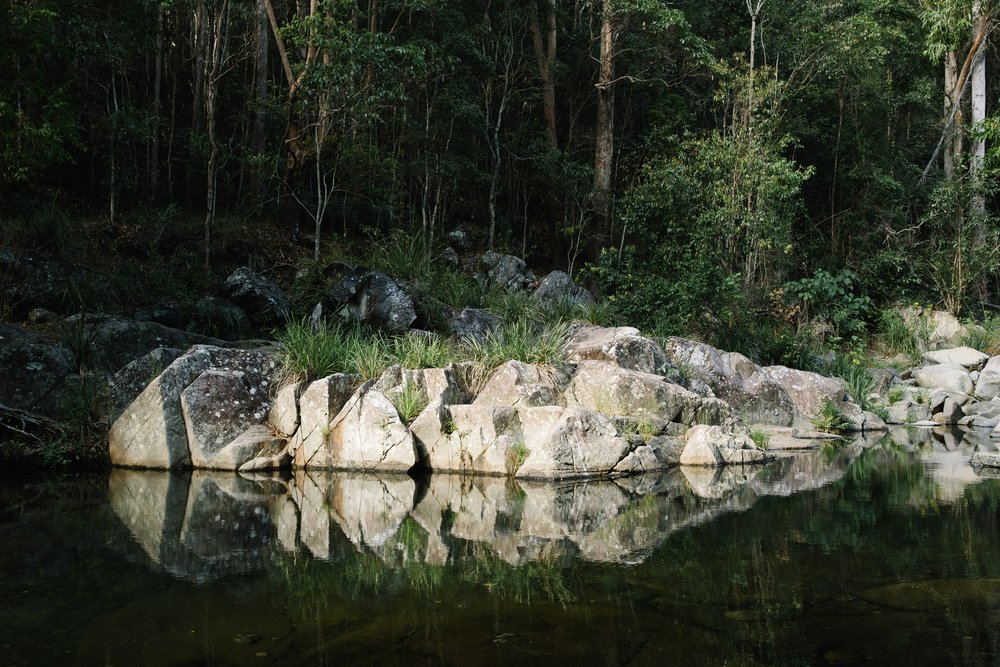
{"x":710,"y":168}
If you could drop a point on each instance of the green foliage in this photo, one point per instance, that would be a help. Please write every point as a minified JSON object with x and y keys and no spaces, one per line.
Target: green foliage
{"x":523,"y":341}
{"x":832,"y":298}
{"x":895,"y":394}
{"x":830,"y":419}
{"x":899,"y":337}
{"x":860,"y":385}
{"x":307,"y":354}
{"x":760,"y":438}
{"x":409,"y":402}
{"x":414,"y":350}
{"x":984,"y":337}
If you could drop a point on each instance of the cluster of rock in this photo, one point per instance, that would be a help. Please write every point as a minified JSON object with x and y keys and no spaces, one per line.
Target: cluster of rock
{"x":771,"y":395}
{"x":957,"y":386}
{"x":603,"y":413}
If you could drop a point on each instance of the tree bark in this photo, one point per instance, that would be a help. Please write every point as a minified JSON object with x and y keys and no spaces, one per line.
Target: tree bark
{"x":978,"y":152}
{"x":260,"y":81}
{"x":545,"y":55}
{"x":604,"y":146}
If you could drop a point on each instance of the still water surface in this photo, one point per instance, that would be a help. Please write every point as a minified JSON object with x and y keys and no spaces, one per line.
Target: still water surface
{"x":882,"y":552}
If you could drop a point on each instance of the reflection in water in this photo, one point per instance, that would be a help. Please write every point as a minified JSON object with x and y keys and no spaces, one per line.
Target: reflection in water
{"x":205,"y":525}
{"x":853,"y":553}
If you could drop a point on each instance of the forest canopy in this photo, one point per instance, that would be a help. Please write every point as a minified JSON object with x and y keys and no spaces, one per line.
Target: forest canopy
{"x":701,"y":165}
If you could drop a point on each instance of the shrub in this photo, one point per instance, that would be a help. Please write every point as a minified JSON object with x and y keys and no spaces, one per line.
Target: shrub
{"x":833,"y":298}
{"x":830,"y":419}
{"x":760,"y":438}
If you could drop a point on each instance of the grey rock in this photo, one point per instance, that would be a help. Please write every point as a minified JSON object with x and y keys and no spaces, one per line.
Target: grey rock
{"x":473,"y":324}
{"x":950,"y":377}
{"x":505,"y":272}
{"x":374,"y":298}
{"x":752,"y":392}
{"x":33,"y":369}
{"x":450,"y":256}
{"x":125,"y":385}
{"x":217,"y":407}
{"x":42,"y":316}
{"x":808,"y":391}
{"x":318,"y":404}
{"x":284,"y":414}
{"x":908,"y":412}
{"x":517,"y":384}
{"x":623,"y":346}
{"x":367,"y":434}
{"x":581,"y":443}
{"x":717,"y":446}
{"x":557,"y":287}
{"x":257,"y":448}
{"x":151,"y":431}
{"x":262,"y":300}
{"x":988,"y":384}
{"x":966,"y":357}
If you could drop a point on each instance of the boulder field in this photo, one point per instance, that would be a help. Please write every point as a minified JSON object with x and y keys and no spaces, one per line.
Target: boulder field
{"x":615,"y":407}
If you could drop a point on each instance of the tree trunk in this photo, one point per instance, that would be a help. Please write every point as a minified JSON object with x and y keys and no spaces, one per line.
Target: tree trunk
{"x":978,"y":109}
{"x":604,"y":147}
{"x":260,"y":81}
{"x":545,"y":54}
{"x":952,"y":97}
{"x":153,"y":168}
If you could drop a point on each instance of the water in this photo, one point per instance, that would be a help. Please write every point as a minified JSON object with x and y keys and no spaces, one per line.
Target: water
{"x":859,"y":553}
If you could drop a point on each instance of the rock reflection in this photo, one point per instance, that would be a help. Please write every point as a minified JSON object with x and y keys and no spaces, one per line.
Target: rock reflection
{"x":206,"y":525}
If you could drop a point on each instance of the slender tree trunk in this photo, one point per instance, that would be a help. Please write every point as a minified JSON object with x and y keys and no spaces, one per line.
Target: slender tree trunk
{"x":978,"y":153}
{"x":545,"y":55}
{"x":153,"y":168}
{"x":260,"y":81}
{"x":213,"y":65}
{"x":604,"y":148}
{"x":952,"y":98}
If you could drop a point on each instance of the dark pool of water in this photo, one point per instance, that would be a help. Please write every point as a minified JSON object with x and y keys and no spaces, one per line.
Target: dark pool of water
{"x":877,"y":553}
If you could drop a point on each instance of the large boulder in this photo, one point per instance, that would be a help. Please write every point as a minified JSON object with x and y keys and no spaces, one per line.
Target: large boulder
{"x":950,"y":377}
{"x":517,"y":384}
{"x":129,"y":382}
{"x":988,"y":385}
{"x":966,"y":357}
{"x":753,"y":393}
{"x":113,"y":342}
{"x":612,"y":390}
{"x":284,"y":414}
{"x":937,"y":325}
{"x":257,"y":448}
{"x":37,"y":281}
{"x":473,"y":324}
{"x":260,"y":299}
{"x":33,"y":369}
{"x":909,"y":412}
{"x":715,"y":446}
{"x":581,"y":443}
{"x":368,"y":434}
{"x":483,"y":439}
{"x":623,"y":346}
{"x":217,"y":407}
{"x":557,"y":287}
{"x":374,"y":298}
{"x":318,"y":404}
{"x":808,"y":391}
{"x":151,"y":432}
{"x":504,"y":272}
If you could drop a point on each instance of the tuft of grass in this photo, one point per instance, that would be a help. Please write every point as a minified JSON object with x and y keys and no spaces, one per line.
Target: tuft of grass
{"x":516,"y":456}
{"x":409,"y":403}
{"x":513,"y":306}
{"x":760,"y":438}
{"x":860,"y":384}
{"x":421,"y":351}
{"x":523,"y":341}
{"x":895,"y":394}
{"x":830,"y":419}
{"x":881,"y":411}
{"x":308,"y":354}
{"x":984,"y":337}
{"x":83,"y":340}
{"x":600,"y":313}
{"x":368,"y":356}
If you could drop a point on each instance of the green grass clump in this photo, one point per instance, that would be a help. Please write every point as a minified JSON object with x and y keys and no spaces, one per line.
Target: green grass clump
{"x":409,"y":403}
{"x":899,"y":337}
{"x":860,"y":384}
{"x":760,"y":438}
{"x":522,"y":341}
{"x":307,"y":354}
{"x":422,"y":351}
{"x":830,"y":419}
{"x":984,"y":337}
{"x":513,"y":306}
{"x":895,"y":394}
